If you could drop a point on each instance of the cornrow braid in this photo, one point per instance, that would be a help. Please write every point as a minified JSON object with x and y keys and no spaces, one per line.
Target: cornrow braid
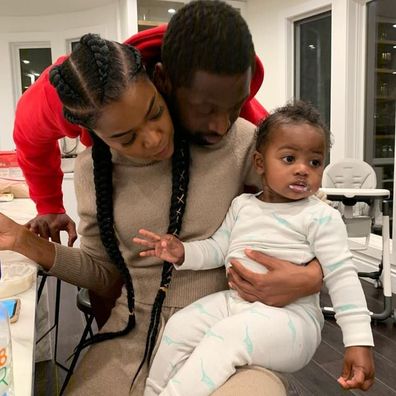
{"x":96,"y":74}
{"x":100,"y":51}
{"x":65,"y":91}
{"x":180,"y":179}
{"x":73,"y":119}
{"x":138,"y":58}
{"x":103,"y":179}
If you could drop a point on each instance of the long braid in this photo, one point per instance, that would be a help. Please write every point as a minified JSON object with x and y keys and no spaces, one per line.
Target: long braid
{"x":103,"y":176}
{"x":180,"y":179}
{"x":95,"y":74}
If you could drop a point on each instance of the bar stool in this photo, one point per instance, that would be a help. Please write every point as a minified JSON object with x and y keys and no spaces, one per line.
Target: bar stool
{"x":84,"y":305}
{"x":55,"y":326}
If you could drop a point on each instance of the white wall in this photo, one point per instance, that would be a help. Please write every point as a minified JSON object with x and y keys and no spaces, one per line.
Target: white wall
{"x":271,"y":24}
{"x":267,"y":25}
{"x":55,"y":29}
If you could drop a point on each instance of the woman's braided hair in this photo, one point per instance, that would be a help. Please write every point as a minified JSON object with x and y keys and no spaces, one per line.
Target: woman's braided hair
{"x":180,"y":179}
{"x":96,"y":73}
{"x":85,"y":82}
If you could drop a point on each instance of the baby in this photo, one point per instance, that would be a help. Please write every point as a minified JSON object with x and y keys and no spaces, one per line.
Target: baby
{"x":205,"y":342}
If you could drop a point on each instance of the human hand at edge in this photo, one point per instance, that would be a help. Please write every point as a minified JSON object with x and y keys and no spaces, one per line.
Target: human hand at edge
{"x":48,"y":226}
{"x":283,"y":284}
{"x":166,"y":247}
{"x":9,"y":232}
{"x":358,"y":369}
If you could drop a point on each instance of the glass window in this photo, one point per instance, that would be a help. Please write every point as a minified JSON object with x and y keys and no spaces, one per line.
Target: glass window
{"x":71,"y":44}
{"x":32,"y":61}
{"x":381,"y":90}
{"x":312,"y":62}
{"x":153,"y":13}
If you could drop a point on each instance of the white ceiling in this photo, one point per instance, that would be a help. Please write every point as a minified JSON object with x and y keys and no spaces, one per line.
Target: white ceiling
{"x":46,"y":7}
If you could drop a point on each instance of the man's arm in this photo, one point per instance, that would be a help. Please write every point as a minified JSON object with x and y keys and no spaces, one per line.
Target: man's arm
{"x":283,"y":284}
{"x":39,"y":123}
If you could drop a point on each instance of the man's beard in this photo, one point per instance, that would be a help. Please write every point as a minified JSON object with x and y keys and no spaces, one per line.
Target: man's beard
{"x":201,"y":138}
{"x":196,"y":137}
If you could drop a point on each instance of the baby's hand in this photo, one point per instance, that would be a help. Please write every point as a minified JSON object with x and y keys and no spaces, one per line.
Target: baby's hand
{"x":166,"y":247}
{"x":358,"y":370}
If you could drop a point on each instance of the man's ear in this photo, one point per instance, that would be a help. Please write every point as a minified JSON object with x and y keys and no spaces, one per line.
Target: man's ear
{"x":161,"y":80}
{"x":258,"y":162}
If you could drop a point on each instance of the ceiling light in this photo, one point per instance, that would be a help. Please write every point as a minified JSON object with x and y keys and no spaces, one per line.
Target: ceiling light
{"x":171,"y":10}
{"x":25,"y":61}
{"x":394,"y":25}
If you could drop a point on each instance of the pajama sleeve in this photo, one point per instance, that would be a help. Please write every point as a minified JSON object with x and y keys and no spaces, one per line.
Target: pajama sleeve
{"x":210,"y":253}
{"x":328,"y":238}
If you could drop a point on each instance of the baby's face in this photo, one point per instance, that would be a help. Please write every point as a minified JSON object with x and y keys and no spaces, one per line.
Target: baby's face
{"x":291,"y":163}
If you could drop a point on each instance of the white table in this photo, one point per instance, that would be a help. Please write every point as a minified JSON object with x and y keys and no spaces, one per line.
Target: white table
{"x":23,"y":331}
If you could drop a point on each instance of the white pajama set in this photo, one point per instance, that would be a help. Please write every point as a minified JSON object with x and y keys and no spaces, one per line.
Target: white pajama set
{"x":205,"y":342}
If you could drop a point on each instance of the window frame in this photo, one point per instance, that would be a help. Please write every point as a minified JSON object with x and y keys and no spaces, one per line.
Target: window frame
{"x":15,"y":63}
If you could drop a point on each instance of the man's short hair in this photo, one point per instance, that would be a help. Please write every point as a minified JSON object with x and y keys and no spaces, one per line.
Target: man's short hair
{"x":206,"y":35}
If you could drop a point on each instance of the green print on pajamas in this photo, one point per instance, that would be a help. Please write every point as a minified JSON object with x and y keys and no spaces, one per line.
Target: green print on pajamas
{"x":204,"y":343}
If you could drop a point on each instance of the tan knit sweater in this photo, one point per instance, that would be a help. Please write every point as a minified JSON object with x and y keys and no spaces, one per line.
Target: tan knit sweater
{"x":142,"y":194}
{"x":142,"y":199}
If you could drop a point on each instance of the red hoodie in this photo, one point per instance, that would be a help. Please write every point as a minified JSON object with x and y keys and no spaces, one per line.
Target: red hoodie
{"x":39,"y":124}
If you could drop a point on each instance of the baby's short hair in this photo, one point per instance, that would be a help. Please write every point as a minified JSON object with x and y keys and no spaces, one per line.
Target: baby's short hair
{"x":294,"y":112}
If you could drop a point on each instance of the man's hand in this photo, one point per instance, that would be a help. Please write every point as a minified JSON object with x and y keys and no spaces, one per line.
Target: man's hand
{"x":283,"y":284}
{"x":358,"y":371}
{"x":48,"y":226}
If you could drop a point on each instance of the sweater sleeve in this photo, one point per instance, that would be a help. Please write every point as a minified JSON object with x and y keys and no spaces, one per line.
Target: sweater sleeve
{"x":327,"y":235}
{"x":210,"y":253}
{"x":39,"y":123}
{"x":88,"y":266}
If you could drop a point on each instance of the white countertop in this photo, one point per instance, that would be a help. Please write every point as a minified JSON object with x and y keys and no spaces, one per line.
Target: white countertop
{"x":22,"y":331}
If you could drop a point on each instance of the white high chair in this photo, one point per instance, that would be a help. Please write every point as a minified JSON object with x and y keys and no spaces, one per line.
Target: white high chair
{"x":352,"y":183}
{"x":359,"y":216}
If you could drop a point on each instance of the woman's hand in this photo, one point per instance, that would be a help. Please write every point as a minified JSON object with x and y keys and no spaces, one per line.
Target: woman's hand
{"x":358,"y":371}
{"x":18,"y":238}
{"x":166,"y":247}
{"x":283,"y":284}
{"x":9,"y":233}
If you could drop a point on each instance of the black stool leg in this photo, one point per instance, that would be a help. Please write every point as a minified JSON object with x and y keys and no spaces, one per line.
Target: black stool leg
{"x":77,"y":353}
{"x":57,"y":308}
{"x":41,"y":286}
